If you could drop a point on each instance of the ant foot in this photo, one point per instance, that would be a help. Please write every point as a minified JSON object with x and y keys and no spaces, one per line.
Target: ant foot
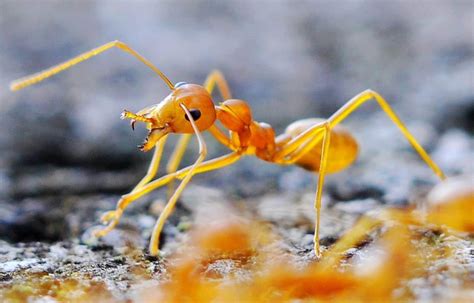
{"x":101,"y":232}
{"x":108,"y":216}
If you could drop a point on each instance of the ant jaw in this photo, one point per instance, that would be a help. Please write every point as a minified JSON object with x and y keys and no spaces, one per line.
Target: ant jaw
{"x":137,"y":118}
{"x":154,"y":135}
{"x":134,"y":117}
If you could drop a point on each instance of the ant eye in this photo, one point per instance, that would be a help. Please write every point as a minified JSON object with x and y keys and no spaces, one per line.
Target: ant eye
{"x":195,"y":113}
{"x":179,"y":84}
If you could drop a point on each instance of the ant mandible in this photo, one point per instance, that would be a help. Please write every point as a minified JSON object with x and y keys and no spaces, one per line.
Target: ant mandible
{"x":318,"y":145}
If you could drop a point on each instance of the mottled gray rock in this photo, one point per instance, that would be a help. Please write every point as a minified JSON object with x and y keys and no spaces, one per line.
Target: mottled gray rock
{"x":455,"y":152}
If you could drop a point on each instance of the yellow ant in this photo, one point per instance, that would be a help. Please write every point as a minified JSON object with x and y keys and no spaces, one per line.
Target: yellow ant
{"x":318,"y":145}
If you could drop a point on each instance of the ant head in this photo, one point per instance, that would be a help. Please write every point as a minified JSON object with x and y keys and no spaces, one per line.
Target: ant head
{"x":169,"y":117}
{"x":196,"y":99}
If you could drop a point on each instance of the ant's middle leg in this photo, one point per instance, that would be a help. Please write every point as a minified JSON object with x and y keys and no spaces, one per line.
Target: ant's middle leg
{"x":213,"y":79}
{"x":319,"y":190}
{"x":216,"y":77}
{"x":318,"y":132}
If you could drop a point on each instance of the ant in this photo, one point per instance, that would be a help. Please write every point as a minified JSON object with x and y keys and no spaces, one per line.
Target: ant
{"x":318,"y":145}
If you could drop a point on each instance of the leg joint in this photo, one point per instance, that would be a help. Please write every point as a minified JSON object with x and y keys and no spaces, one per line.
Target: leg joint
{"x":373,"y":94}
{"x":327,"y":125}
{"x":117,"y":42}
{"x":203,"y":151}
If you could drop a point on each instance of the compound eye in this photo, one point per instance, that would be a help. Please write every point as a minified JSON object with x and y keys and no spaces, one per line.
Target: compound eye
{"x":179,"y":84}
{"x":195,"y":113}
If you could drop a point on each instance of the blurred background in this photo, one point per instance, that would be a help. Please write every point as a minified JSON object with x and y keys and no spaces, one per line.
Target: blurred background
{"x":66,"y":156}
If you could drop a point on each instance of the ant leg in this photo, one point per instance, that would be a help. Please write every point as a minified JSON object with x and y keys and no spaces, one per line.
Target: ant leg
{"x":38,"y":77}
{"x":206,"y":166}
{"x":356,"y":234}
{"x":202,"y":168}
{"x":294,"y":150}
{"x":349,"y":240}
{"x":367,"y":95}
{"x":322,"y":132}
{"x":302,"y":143}
{"x":319,"y":190}
{"x":112,"y":217}
{"x":295,"y":144}
{"x":291,"y":152}
{"x":184,"y":174}
{"x":176,"y":158}
{"x":154,"y":165}
{"x":216,"y":77}
{"x":155,"y":237}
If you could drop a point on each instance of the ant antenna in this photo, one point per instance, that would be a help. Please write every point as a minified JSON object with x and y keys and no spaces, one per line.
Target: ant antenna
{"x":38,"y":77}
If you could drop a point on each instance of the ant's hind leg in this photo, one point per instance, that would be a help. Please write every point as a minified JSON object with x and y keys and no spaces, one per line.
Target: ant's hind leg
{"x":367,"y":95}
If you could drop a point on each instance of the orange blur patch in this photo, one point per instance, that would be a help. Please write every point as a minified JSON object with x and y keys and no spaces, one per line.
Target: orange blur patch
{"x":186,"y":284}
{"x":310,"y":282}
{"x":457,"y":214}
{"x":451,"y":203}
{"x":224,"y":237}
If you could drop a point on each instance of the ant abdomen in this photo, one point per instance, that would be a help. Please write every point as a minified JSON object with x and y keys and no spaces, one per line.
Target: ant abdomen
{"x":343,"y":147}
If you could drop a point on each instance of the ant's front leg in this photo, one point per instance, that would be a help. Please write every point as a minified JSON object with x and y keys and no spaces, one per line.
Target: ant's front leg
{"x":176,"y":158}
{"x":129,"y":198}
{"x":206,"y":166}
{"x":213,"y":80}
{"x":111,"y":218}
